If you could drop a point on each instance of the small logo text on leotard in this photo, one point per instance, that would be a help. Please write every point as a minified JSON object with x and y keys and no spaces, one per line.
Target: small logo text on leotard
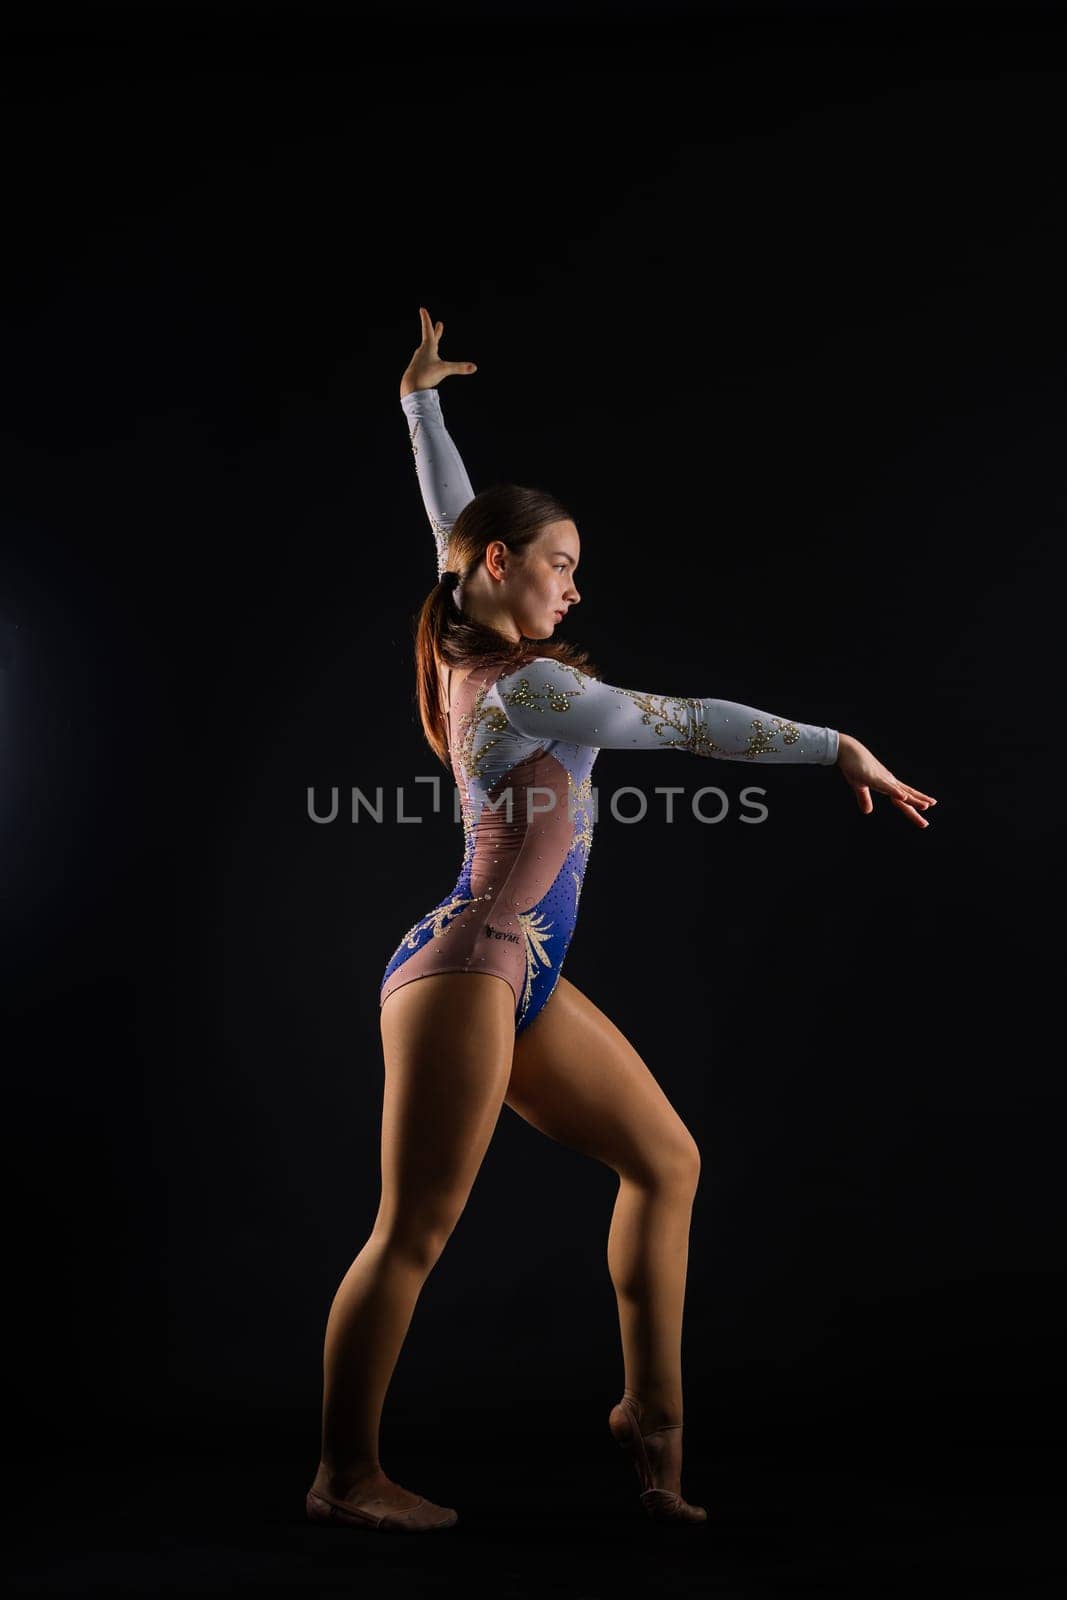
{"x":499,"y":933}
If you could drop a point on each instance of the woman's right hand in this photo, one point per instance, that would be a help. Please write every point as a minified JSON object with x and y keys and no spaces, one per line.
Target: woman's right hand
{"x":426,"y":369}
{"x":862,"y":771}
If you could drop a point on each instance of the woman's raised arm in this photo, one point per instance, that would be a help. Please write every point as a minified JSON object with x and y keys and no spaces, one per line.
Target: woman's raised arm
{"x":443,"y":479}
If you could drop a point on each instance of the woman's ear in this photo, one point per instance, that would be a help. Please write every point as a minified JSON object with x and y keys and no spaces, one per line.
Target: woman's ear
{"x":496,"y":556}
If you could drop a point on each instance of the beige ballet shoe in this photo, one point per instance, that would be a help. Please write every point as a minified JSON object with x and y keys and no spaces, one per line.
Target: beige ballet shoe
{"x":373,"y":1513}
{"x":656,"y":1455}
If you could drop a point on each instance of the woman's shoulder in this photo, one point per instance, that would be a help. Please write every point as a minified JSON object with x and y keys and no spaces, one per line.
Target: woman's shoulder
{"x":544,"y":669}
{"x":540,"y":683}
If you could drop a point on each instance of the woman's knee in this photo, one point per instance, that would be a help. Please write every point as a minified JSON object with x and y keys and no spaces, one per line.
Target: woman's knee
{"x":688,"y":1160}
{"x":671,"y":1164}
{"x":418,"y":1240}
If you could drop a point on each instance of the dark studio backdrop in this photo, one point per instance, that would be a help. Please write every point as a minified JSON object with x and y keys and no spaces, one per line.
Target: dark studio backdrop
{"x":772,"y":298}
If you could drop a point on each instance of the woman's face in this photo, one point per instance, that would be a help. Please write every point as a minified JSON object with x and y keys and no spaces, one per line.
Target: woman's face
{"x":540,"y":587}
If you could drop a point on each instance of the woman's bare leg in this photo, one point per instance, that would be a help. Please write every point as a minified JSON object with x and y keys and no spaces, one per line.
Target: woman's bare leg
{"x":448,"y":1041}
{"x":579,"y":1080}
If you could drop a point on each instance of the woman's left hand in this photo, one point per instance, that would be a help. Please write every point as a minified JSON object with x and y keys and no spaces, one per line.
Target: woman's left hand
{"x":862,"y":771}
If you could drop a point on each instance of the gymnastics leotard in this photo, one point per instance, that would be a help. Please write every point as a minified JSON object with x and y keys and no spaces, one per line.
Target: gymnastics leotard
{"x":522,"y":742}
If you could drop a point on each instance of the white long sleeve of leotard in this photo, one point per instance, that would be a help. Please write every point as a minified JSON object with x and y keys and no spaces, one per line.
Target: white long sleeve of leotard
{"x":545,"y":699}
{"x":443,"y":479}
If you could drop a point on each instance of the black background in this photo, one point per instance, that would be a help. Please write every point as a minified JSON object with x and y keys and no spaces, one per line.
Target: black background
{"x":772,"y":297}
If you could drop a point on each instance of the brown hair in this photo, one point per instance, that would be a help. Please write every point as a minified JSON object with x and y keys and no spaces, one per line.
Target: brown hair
{"x":515,"y":515}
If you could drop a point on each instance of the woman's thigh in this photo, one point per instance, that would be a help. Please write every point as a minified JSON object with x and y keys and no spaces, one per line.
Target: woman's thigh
{"x":448,"y":1040}
{"x":576,"y":1077}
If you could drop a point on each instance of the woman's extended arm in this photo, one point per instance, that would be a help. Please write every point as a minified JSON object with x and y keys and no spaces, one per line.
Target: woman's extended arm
{"x":547,"y":699}
{"x":443,"y":479}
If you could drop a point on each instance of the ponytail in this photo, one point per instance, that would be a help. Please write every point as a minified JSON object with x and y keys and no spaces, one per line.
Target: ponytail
{"x":430,"y":629}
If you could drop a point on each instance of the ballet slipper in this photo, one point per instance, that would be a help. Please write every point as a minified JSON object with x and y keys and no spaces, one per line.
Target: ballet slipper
{"x":372,"y":1513}
{"x":656,"y":1455}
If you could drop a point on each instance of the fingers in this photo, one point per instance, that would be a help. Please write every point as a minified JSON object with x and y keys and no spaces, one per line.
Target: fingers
{"x":897,"y":790}
{"x":909,"y":811}
{"x":910,"y":801}
{"x":914,"y":797}
{"x":912,"y":793}
{"x":902,"y":801}
{"x":431,"y":338}
{"x":904,"y":797}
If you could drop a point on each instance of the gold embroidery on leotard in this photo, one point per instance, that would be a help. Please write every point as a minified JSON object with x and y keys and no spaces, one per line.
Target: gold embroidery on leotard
{"x":524,"y":695}
{"x":440,"y":532}
{"x":677,"y":713}
{"x":760,"y":741}
{"x":450,"y":910}
{"x":581,"y":796}
{"x":467,"y":815}
{"x":495,"y":722}
{"x":441,"y":537}
{"x":535,"y":932}
{"x":658,"y":710}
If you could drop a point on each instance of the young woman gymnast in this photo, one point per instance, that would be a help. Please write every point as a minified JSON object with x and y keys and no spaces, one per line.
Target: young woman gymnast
{"x":520,"y":716}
